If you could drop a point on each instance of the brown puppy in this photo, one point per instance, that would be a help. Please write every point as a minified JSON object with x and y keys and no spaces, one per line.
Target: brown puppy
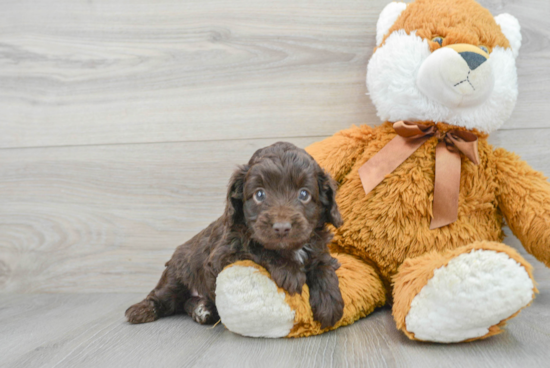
{"x":276,"y":212}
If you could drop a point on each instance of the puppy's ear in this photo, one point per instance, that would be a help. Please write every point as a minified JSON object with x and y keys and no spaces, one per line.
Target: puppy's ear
{"x":327,"y":194}
{"x":234,"y":213}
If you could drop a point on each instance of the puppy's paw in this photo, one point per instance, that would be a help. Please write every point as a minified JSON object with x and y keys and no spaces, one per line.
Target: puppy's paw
{"x":326,"y":303}
{"x":204,"y":313}
{"x":142,"y":312}
{"x":202,"y":310}
{"x":291,"y":281}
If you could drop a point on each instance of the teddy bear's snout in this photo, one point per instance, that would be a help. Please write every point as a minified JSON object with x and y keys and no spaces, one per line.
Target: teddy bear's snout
{"x":456,"y":76}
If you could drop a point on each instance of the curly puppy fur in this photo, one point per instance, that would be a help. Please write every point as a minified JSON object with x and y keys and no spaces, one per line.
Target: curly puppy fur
{"x":277,"y":209}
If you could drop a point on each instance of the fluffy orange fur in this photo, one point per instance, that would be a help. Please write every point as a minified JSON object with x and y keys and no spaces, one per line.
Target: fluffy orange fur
{"x":457,"y":21}
{"x":391,"y":223}
{"x":389,"y":227}
{"x":524,"y":198}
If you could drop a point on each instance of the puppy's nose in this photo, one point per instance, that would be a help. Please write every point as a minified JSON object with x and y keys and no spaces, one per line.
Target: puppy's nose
{"x":282,"y":228}
{"x":473,"y":59}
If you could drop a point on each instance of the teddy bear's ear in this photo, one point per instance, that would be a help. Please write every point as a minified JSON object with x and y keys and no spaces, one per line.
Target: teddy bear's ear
{"x":387,"y":18}
{"x":510,"y":27}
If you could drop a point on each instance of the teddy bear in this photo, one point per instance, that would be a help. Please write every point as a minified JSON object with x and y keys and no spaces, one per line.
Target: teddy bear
{"x":423,"y":196}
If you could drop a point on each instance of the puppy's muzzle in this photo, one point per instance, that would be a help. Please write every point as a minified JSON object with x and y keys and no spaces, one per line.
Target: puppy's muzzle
{"x":282,"y":229}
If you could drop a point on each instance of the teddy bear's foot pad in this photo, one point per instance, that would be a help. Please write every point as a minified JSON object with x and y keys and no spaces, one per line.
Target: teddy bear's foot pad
{"x":473,"y":292}
{"x":250,"y":304}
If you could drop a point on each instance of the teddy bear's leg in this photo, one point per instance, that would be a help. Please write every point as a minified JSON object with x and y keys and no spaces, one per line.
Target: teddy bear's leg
{"x":250,"y":303}
{"x":462,"y":294}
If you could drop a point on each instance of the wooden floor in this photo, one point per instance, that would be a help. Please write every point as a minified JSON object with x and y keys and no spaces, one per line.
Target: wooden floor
{"x":89,"y":330}
{"x":120,"y":124}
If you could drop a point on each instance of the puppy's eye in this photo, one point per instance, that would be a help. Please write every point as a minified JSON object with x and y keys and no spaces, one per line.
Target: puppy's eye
{"x":438,"y":39}
{"x":484,"y":48}
{"x":304,"y":196}
{"x":259,"y":196}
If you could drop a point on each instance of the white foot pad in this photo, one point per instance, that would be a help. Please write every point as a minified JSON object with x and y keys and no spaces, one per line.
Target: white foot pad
{"x":250,"y":304}
{"x":473,"y":292}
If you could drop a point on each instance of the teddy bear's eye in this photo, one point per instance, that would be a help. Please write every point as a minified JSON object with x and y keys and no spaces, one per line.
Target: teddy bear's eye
{"x":438,"y":39}
{"x":484,"y":48}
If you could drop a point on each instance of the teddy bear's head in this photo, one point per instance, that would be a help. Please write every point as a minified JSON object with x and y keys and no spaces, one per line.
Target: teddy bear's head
{"x":444,"y":61}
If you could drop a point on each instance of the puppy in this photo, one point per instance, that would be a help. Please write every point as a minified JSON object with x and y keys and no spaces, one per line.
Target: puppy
{"x":277,"y":208}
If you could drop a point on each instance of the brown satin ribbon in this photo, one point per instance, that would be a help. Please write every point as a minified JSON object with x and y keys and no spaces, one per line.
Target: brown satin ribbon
{"x":410,"y":136}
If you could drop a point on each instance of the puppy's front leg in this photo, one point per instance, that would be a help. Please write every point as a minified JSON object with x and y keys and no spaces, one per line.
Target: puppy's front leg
{"x":287,"y":275}
{"x":325,"y":297}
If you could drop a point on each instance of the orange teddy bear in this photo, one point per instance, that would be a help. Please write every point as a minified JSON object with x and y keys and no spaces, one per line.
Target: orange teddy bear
{"x":423,"y":196}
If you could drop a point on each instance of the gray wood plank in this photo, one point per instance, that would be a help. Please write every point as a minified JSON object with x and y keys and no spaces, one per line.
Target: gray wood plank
{"x":107,"y":218}
{"x":75,"y":72}
{"x":88,"y":330}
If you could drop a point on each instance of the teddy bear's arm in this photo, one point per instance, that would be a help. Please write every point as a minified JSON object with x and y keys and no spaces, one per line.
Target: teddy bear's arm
{"x":337,"y":154}
{"x":524,"y":198}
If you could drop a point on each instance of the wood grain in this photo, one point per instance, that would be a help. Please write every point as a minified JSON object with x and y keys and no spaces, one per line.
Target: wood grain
{"x":88,"y":330}
{"x":75,"y":72}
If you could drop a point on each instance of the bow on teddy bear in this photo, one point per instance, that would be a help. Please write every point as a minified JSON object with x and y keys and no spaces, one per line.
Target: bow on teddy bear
{"x":450,"y":65}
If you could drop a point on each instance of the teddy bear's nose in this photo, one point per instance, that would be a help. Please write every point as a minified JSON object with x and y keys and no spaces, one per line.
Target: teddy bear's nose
{"x":473,"y":59}
{"x":472,"y":55}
